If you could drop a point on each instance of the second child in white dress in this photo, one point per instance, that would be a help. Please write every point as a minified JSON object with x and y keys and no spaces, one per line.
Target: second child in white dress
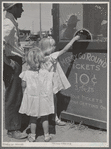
{"x":37,"y":99}
{"x":47,"y":45}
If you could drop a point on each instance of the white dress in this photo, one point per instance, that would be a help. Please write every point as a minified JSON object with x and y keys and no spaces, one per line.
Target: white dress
{"x":38,"y":96}
{"x":52,"y":65}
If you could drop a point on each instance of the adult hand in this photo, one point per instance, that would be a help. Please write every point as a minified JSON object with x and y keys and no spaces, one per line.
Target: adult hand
{"x":15,"y":66}
{"x":23,"y":60}
{"x":12,"y":64}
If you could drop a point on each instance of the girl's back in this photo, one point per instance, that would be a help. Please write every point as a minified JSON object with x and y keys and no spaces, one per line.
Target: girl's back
{"x":38,"y":95}
{"x":38,"y":92}
{"x":47,"y":45}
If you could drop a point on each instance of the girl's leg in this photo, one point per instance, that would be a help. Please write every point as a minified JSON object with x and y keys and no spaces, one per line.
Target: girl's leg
{"x":57,"y":120}
{"x":45,"y":125}
{"x":55,"y":105}
{"x":33,"y":125}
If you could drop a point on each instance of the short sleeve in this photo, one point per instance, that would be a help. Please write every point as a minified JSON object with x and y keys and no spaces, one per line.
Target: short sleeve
{"x":8,"y":27}
{"x":23,"y":76}
{"x":55,"y":55}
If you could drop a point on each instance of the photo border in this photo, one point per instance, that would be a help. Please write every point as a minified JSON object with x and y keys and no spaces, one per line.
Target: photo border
{"x":60,"y":144}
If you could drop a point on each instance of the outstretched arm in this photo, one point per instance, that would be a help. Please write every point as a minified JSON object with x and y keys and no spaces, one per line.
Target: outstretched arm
{"x":66,"y":48}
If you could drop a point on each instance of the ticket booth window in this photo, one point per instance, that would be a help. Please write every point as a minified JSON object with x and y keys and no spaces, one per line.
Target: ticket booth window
{"x":92,"y":17}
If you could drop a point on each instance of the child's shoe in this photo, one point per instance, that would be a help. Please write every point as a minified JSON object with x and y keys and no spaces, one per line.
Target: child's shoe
{"x":31,"y":138}
{"x":47,"y":137}
{"x":59,"y":122}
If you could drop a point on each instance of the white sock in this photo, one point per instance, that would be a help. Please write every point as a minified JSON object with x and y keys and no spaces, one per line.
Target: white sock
{"x":56,"y":118}
{"x":47,"y":134}
{"x":32,"y":135}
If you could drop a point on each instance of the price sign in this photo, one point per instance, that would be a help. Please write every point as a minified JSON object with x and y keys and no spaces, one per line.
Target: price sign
{"x":87,"y":74}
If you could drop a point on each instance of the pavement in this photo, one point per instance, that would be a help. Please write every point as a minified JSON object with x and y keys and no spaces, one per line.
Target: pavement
{"x":68,"y":133}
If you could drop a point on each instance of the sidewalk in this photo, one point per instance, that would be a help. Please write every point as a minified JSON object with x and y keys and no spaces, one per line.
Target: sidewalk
{"x":68,"y":133}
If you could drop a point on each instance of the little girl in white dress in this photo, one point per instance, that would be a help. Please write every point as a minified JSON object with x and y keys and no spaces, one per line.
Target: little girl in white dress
{"x":38,"y":93}
{"x":47,"y":45}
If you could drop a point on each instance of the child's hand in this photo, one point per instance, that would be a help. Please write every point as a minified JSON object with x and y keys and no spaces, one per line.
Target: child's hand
{"x":84,"y":34}
{"x":77,"y":37}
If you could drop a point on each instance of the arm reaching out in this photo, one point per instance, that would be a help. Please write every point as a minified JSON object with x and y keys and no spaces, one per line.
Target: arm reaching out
{"x":66,"y":48}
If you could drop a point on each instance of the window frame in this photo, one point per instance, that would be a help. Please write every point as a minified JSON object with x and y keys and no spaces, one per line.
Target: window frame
{"x":92,"y":44}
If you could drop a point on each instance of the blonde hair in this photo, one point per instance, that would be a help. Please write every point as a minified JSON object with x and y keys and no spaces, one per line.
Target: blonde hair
{"x":34,"y":57}
{"x":45,"y":44}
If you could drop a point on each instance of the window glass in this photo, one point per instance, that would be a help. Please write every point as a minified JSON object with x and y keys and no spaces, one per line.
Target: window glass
{"x":92,"y":17}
